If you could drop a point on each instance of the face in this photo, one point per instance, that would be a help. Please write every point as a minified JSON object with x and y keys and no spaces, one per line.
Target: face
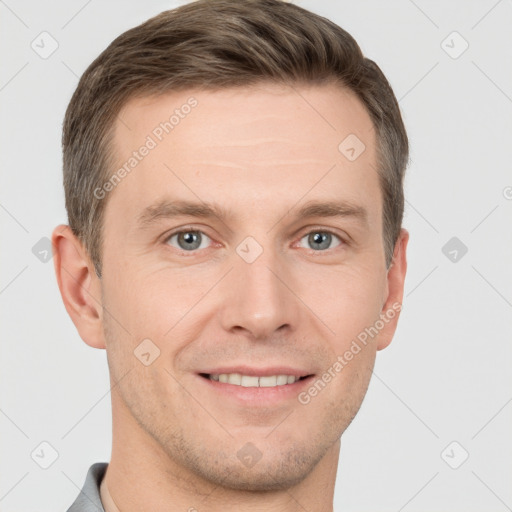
{"x":262,"y":284}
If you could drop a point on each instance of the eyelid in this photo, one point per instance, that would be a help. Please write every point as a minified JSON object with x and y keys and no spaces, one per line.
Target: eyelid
{"x":342,"y":235}
{"x":306,"y":231}
{"x":185,"y":228}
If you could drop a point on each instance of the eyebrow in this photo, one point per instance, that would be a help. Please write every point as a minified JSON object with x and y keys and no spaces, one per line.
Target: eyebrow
{"x":167,"y":209}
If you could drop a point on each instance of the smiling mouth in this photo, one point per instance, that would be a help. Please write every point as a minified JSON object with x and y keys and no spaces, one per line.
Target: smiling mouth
{"x":253,"y":381}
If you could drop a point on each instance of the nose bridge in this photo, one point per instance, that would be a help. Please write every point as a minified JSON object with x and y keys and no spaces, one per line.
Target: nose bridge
{"x":257,"y":299}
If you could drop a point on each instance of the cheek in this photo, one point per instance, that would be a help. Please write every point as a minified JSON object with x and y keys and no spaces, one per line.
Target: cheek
{"x":346,"y":299}
{"x":150,"y":304}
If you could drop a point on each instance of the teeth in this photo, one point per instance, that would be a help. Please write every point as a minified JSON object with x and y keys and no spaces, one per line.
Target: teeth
{"x":234,"y":378}
{"x":269,"y":381}
{"x":282,"y":379}
{"x":251,"y":381}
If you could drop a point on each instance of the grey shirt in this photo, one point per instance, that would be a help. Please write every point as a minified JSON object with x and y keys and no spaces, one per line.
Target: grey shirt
{"x":89,"y":498}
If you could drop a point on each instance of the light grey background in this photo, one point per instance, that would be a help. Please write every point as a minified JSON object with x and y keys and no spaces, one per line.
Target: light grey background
{"x":447,"y":374}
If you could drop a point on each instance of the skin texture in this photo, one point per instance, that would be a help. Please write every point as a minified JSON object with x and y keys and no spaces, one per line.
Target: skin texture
{"x":261,"y":152}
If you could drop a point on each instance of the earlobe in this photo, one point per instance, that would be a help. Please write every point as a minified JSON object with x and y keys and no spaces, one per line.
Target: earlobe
{"x":395,"y":291}
{"x":79,"y":285}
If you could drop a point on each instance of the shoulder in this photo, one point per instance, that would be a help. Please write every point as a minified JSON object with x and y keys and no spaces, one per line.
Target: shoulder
{"x":89,"y":498}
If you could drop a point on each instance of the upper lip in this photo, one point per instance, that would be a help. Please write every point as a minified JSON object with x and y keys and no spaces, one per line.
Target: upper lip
{"x":258,"y":372}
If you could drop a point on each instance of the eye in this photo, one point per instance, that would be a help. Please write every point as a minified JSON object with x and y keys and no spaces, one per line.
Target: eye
{"x":189,"y":240}
{"x":321,"y":239}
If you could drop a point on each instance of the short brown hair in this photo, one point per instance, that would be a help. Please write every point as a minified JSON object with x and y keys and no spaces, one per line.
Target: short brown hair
{"x":212,"y":44}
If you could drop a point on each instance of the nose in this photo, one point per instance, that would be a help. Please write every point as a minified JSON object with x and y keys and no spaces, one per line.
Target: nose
{"x":258,"y":297}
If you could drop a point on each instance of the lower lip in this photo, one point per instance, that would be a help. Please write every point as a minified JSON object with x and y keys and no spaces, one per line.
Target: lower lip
{"x":258,"y":395}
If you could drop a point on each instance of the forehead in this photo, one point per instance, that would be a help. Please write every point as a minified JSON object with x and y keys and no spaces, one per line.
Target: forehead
{"x":260,"y":112}
{"x":261,"y":143}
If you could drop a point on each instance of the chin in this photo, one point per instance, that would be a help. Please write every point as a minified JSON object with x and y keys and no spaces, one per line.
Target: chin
{"x":275,"y":470}
{"x":263,"y":477}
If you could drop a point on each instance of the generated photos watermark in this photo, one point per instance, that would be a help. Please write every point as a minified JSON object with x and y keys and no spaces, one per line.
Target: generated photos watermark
{"x":356,"y":346}
{"x":152,"y":140}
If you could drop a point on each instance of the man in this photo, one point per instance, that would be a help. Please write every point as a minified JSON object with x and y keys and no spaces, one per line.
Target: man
{"x":233,"y":175}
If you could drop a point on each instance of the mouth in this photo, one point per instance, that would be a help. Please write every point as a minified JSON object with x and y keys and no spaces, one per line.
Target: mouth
{"x":254,"y":381}
{"x":250,"y":386}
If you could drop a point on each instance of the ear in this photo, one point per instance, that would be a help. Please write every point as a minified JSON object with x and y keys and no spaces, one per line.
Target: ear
{"x":79,"y":285}
{"x":395,"y":291}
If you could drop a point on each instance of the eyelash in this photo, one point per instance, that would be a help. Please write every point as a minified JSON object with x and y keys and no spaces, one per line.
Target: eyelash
{"x":343,"y":242}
